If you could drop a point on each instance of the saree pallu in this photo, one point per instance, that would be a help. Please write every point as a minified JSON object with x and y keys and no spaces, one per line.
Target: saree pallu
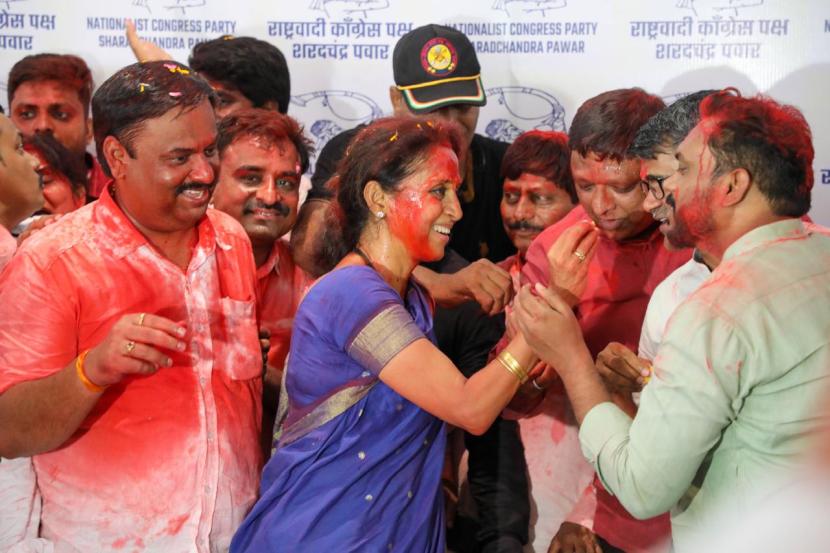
{"x":356,"y":466}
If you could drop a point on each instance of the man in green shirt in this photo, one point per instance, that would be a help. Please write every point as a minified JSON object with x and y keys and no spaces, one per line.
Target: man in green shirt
{"x":735,"y":395}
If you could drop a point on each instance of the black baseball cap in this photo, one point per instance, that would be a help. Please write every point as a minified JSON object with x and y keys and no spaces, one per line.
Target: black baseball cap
{"x":436,"y":66}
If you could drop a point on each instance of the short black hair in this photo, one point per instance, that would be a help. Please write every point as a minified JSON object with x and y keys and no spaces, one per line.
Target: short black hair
{"x":668,"y":127}
{"x":254,"y":67}
{"x":771,"y":141}
{"x":69,"y":70}
{"x":139,"y":92}
{"x":267,"y":125}
{"x":606,"y":124}
{"x":541,"y":153}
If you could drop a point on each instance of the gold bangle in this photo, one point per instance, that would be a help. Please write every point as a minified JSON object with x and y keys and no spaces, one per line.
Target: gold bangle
{"x":79,"y":370}
{"x":509,"y":362}
{"x":517,"y":367}
{"x":512,"y":370}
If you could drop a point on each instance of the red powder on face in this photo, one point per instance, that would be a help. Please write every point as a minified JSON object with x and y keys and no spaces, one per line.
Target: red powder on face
{"x":420,"y":204}
{"x":411,"y":222}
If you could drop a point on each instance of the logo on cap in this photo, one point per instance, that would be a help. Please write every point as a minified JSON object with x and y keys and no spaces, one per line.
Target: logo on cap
{"x":439,"y":57}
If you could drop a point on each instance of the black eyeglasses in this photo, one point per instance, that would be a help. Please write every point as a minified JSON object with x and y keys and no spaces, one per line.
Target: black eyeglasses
{"x":655,"y":186}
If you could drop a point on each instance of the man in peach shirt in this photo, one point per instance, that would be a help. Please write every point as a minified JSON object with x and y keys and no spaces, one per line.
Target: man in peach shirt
{"x":263,"y":156}
{"x":129,"y":362}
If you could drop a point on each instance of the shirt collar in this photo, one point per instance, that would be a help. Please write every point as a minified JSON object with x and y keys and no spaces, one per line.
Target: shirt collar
{"x":271,"y":264}
{"x":124,"y":238}
{"x":787,"y":229}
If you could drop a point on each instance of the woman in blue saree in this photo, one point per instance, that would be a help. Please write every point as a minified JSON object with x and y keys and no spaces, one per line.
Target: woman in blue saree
{"x":358,"y":456}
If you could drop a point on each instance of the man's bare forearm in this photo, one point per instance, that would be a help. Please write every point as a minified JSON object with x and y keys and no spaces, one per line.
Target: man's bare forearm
{"x":584,"y":386}
{"x":438,"y":287}
{"x":40,"y":415}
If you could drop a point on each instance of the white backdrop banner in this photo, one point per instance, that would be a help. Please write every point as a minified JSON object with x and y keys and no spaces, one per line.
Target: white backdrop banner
{"x":540,"y":58}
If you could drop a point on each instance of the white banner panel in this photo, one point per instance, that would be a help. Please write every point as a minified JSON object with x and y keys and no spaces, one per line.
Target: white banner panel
{"x":540,"y":58}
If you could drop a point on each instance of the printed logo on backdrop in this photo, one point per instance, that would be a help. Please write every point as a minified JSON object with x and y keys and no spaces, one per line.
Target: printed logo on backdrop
{"x":19,"y":26}
{"x":717,"y":8}
{"x":327,"y":113}
{"x":518,"y":8}
{"x":180,"y":6}
{"x":512,"y":110}
{"x":342,"y":30}
{"x":9,"y":5}
{"x":713,"y":30}
{"x":523,"y":27}
{"x":348,"y":10}
{"x":174,"y":25}
{"x":825,"y":176}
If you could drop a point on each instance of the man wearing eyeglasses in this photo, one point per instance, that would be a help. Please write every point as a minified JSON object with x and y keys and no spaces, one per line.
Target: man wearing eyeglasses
{"x":656,"y":144}
{"x":740,"y":386}
{"x":606,"y":256}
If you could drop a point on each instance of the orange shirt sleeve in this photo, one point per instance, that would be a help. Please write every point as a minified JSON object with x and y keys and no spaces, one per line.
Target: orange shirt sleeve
{"x":38,"y":320}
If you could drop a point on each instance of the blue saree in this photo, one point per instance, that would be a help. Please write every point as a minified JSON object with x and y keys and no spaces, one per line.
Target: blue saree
{"x":356,"y":466}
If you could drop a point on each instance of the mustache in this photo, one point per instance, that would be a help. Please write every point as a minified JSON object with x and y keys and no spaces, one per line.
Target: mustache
{"x":194,"y":185}
{"x":278,"y":207}
{"x":525,"y":225}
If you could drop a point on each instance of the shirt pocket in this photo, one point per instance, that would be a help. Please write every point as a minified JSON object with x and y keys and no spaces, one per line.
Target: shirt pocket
{"x":238,"y":351}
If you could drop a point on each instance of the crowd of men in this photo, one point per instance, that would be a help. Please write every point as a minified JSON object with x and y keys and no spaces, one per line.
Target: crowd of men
{"x":147,"y":294}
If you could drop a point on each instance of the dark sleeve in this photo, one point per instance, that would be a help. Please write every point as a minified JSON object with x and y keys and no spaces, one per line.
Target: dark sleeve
{"x":331,"y":154}
{"x":499,"y":244}
{"x":497,"y":472}
{"x":497,"y":475}
{"x":466,"y":335}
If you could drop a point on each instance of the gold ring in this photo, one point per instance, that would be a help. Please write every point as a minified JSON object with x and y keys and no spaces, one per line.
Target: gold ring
{"x":129,"y":347}
{"x":141,"y":319}
{"x":579,"y":255}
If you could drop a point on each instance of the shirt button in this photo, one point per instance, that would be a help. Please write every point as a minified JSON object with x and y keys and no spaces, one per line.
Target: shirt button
{"x":202,"y":380}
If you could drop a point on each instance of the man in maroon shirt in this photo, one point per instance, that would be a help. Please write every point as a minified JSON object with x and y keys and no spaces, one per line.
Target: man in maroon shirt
{"x":619,"y":244}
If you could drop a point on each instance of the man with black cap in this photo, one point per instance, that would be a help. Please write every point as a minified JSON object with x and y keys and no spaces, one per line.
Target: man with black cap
{"x":437,"y":74}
